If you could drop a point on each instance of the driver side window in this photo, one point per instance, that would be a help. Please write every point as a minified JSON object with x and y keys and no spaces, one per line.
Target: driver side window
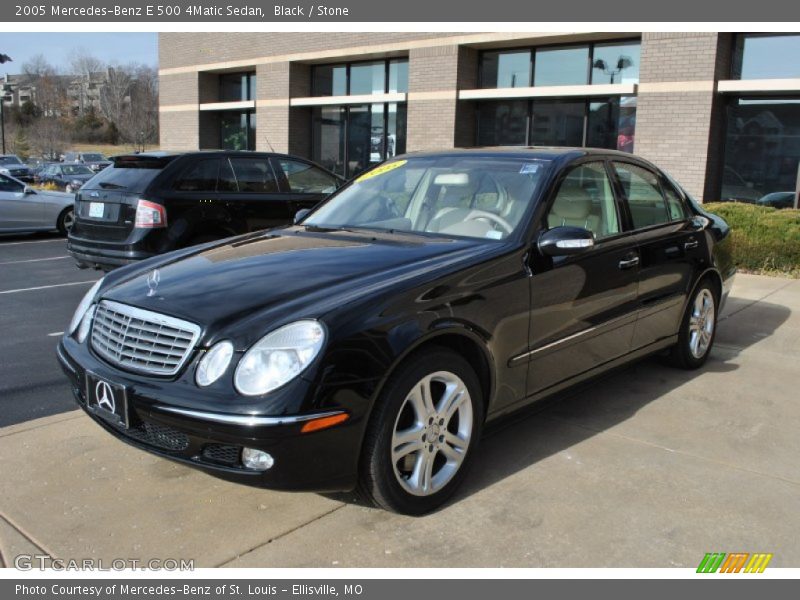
{"x":9,"y":185}
{"x":585,"y":199}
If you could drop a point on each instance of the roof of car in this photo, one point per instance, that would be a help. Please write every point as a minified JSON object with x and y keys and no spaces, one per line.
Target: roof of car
{"x":543,"y":152}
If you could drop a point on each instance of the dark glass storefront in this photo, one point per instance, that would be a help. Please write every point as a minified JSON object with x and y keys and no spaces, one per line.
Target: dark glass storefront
{"x":600,"y":123}
{"x":237,"y":130}
{"x":349,"y":138}
{"x":762,"y":150}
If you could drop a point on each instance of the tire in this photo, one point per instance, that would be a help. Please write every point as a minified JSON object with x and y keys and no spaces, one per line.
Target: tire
{"x":399,"y":482}
{"x":698,"y":328}
{"x":65,"y":220}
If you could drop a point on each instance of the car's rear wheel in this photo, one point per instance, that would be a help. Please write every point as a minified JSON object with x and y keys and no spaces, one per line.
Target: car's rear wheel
{"x":698,"y":328}
{"x":422,"y":434}
{"x":66,"y":220}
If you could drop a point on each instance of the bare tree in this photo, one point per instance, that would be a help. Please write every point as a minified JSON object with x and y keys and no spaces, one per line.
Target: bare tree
{"x":49,"y":137}
{"x":115,"y":94}
{"x":141,"y":127}
{"x":85,"y":68}
{"x":50,"y":88}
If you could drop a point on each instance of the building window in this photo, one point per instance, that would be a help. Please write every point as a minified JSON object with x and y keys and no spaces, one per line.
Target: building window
{"x":237,"y":87}
{"x":599,"y":123}
{"x":349,"y":139}
{"x":237,"y":130}
{"x":507,"y":69}
{"x":598,"y":63}
{"x":360,"y":78}
{"x":771,"y":56}
{"x":762,"y":151}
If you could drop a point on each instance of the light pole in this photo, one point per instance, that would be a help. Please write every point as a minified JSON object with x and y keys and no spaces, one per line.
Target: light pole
{"x":623,"y":62}
{"x":4,"y":58}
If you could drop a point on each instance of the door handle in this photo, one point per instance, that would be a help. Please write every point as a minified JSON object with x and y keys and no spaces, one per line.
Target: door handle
{"x":691,"y":245}
{"x":627,"y":263}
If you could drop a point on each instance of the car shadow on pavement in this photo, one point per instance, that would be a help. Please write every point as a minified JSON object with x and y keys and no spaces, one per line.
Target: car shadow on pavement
{"x":547,"y":427}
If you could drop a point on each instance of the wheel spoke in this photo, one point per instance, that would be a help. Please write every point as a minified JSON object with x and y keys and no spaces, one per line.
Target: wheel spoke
{"x":422,"y":474}
{"x":454,"y":448}
{"x":416,"y":398}
{"x":452,"y":398}
{"x":406,"y":442}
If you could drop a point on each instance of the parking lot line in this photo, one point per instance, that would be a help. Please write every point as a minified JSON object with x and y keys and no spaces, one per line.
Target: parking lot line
{"x":44,"y":287}
{"x":30,"y":260}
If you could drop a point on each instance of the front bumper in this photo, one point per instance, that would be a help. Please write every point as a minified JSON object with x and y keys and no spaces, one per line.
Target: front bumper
{"x":322,"y":461}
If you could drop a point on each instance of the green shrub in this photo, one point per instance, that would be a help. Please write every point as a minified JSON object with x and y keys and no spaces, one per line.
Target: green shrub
{"x":765,"y":240}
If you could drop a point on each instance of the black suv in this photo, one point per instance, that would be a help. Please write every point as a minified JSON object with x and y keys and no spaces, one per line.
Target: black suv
{"x":151,"y":203}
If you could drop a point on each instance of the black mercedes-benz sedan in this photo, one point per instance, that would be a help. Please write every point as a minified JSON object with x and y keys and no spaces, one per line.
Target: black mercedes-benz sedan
{"x":366,"y":345}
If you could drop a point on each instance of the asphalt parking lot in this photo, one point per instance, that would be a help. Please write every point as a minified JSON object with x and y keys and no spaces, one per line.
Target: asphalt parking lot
{"x":648,"y":467}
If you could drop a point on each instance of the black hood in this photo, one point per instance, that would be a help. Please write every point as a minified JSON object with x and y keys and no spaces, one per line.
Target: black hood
{"x":293,"y":273}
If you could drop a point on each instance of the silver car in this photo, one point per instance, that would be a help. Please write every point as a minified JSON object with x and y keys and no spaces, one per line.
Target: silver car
{"x":24,"y":209}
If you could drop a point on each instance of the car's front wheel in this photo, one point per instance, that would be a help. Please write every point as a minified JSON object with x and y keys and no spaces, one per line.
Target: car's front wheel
{"x":422,"y":434}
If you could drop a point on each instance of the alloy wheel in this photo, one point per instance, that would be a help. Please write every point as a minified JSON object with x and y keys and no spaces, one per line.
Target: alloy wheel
{"x":431,"y":434}
{"x":701,"y":323}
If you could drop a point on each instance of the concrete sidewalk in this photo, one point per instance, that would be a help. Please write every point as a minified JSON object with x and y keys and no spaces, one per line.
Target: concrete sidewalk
{"x":653,"y":467}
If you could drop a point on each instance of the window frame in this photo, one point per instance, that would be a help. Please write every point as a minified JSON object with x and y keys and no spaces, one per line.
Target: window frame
{"x":180,"y":176}
{"x":348,"y":79}
{"x":555,"y":187}
{"x":532,"y":51}
{"x":268,"y":159}
{"x":659,"y":176}
{"x":283,"y":181}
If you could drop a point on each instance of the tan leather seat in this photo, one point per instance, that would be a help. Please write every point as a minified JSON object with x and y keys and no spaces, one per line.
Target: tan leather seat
{"x":573,"y":207}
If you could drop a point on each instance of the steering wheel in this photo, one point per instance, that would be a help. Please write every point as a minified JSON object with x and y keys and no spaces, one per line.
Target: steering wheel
{"x":477,"y":215}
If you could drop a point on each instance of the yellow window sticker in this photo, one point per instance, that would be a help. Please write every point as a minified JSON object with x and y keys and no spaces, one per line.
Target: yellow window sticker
{"x":381,"y":170}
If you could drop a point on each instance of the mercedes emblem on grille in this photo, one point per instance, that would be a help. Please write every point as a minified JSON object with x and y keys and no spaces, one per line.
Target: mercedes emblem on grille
{"x":153,"y":280}
{"x":105,"y":396}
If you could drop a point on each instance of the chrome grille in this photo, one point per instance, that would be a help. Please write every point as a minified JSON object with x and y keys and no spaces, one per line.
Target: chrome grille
{"x":141,"y":340}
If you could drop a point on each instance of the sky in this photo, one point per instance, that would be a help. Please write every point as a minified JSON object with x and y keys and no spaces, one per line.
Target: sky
{"x":58,"y":48}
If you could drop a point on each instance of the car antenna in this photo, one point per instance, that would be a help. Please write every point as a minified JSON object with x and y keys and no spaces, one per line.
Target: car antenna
{"x":266,"y":139}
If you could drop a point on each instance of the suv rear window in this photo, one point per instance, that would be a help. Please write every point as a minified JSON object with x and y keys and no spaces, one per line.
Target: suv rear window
{"x":129,"y":173}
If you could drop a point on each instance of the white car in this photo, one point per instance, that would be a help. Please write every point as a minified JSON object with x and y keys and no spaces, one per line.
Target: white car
{"x":24,"y":209}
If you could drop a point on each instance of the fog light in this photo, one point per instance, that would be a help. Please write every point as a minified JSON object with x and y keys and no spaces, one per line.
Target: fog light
{"x":258,"y":460}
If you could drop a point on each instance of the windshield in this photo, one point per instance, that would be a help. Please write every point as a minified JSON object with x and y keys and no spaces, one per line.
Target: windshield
{"x":76,"y":170}
{"x":482,"y":197}
{"x":10,"y":160}
{"x":93,"y":157}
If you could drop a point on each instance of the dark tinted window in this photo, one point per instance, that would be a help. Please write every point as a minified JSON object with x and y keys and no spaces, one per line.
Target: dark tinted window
{"x":227,"y":180}
{"x":254,"y":175}
{"x":199,"y":177}
{"x":643,"y":192}
{"x":330,"y":80}
{"x":304,"y":178}
{"x":9,"y":185}
{"x":557,"y":123}
{"x":502,"y":123}
{"x":129,"y":173}
{"x":235,"y":87}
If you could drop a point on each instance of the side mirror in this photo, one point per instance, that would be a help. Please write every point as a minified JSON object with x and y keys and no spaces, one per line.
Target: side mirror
{"x":563,"y":241}
{"x":300,"y":214}
{"x":28,"y":190}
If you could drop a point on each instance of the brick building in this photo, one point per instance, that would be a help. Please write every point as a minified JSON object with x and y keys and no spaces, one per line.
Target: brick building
{"x":719,"y":111}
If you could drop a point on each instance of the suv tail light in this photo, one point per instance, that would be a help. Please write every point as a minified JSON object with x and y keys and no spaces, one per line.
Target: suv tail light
{"x":150,"y":215}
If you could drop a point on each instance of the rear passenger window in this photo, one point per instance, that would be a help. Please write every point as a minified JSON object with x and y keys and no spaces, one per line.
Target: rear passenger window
{"x":254,"y":175}
{"x":200,"y":177}
{"x":307,"y":179}
{"x":674,"y":203}
{"x":644,"y":196}
{"x":585,"y":199}
{"x":227,"y":180}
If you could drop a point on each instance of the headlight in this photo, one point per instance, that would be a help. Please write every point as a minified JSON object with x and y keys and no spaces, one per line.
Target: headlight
{"x":86,"y":324}
{"x":87,"y":301}
{"x":279,"y":357}
{"x":214,"y":364}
